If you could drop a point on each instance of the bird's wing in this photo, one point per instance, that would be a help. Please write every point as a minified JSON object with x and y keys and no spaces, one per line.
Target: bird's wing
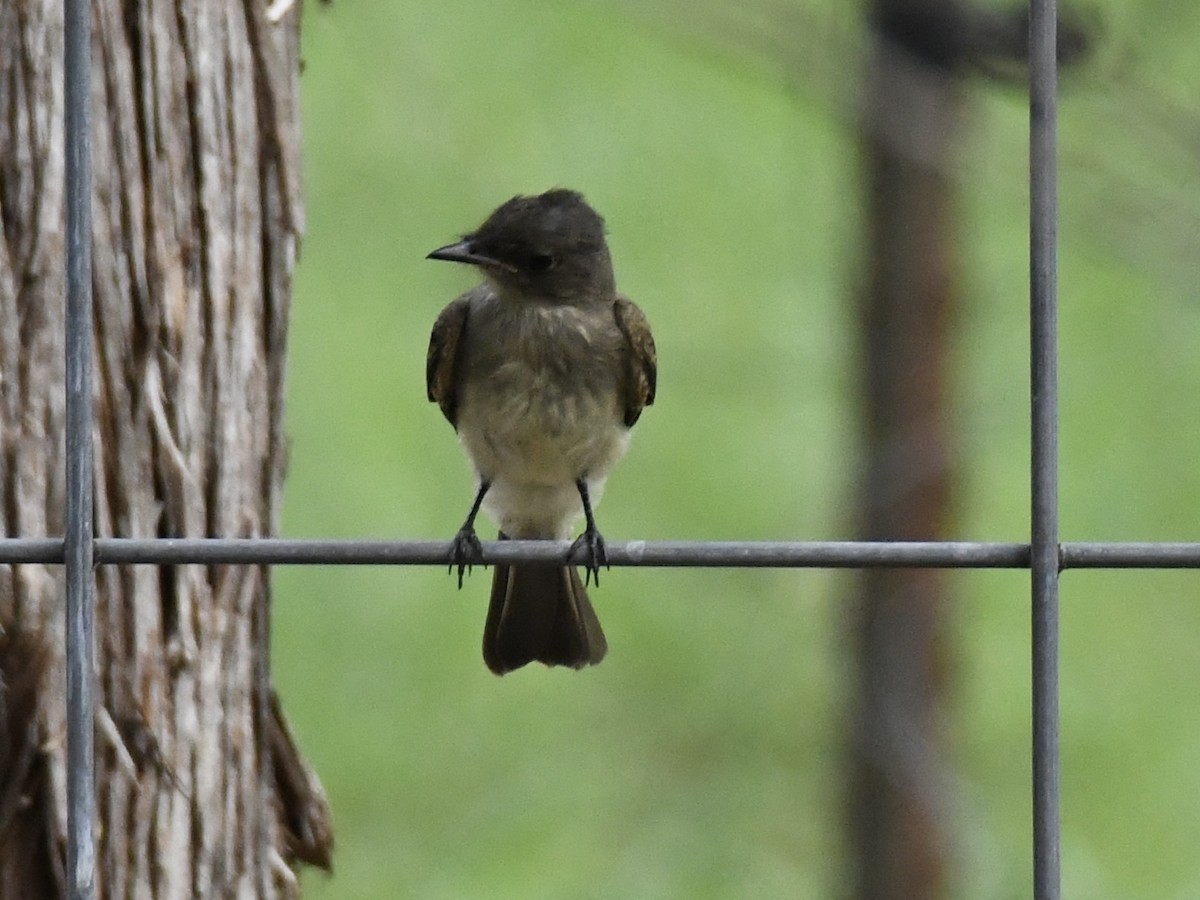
{"x":641,"y":372}
{"x":441,"y":362}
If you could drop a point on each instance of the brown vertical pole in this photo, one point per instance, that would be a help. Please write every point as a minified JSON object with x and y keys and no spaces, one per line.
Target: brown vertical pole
{"x":898,"y":829}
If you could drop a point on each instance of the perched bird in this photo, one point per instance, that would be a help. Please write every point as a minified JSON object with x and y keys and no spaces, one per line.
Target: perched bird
{"x":542,"y":370}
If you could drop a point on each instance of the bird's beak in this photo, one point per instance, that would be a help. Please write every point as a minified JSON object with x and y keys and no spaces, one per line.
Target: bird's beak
{"x":464,"y":252}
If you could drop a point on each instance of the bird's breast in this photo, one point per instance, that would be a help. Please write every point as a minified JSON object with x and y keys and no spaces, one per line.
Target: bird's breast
{"x":540,"y":396}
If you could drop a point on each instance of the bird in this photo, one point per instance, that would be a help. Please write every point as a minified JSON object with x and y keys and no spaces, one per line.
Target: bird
{"x":542,"y":370}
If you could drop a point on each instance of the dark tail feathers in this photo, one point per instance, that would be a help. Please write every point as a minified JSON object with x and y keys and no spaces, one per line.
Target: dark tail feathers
{"x":542,"y":614}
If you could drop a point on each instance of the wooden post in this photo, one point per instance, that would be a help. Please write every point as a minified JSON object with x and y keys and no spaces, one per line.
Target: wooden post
{"x":196,"y":215}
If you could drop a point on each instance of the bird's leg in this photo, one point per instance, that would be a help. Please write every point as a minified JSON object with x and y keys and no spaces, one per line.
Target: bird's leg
{"x":591,"y":539}
{"x":465,"y":549}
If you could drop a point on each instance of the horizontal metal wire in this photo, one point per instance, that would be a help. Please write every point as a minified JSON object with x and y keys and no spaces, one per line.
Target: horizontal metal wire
{"x":1145,"y":555}
{"x":669,"y":554}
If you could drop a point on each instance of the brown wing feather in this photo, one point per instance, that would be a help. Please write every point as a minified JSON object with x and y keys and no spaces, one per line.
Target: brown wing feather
{"x":441,"y":363}
{"x":641,"y":374}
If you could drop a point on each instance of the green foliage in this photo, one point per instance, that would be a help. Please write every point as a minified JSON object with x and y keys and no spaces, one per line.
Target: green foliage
{"x":702,"y":758}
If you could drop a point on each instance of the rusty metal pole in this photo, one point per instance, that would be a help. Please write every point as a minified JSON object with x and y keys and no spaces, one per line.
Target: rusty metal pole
{"x":898,"y":829}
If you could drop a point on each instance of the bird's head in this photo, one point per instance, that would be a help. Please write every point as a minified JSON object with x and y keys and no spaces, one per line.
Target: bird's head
{"x":547,"y":247}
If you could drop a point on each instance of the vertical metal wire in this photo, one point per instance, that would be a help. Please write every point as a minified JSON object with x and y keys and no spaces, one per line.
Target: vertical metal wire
{"x":1044,"y":559}
{"x":78,"y":547}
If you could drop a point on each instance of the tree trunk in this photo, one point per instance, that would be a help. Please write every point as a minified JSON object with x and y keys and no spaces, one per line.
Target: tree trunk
{"x":196,"y":213}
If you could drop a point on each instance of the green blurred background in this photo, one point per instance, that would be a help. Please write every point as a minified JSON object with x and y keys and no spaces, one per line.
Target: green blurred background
{"x":702,"y":759}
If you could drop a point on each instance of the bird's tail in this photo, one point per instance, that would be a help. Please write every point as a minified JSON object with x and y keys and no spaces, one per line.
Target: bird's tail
{"x":542,"y":614}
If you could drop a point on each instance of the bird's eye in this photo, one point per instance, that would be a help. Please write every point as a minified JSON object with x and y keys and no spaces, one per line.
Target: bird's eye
{"x":541,"y":262}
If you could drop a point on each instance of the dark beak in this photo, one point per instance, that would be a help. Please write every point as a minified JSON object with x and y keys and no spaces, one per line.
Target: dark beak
{"x":464,"y":252}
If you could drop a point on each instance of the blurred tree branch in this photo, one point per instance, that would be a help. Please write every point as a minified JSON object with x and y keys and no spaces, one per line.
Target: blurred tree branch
{"x":1130,"y":143}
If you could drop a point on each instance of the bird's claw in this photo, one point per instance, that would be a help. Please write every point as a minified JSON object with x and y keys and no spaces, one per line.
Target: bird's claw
{"x":465,"y":551}
{"x":593,"y":542}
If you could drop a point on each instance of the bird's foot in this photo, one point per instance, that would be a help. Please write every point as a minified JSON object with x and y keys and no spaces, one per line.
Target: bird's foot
{"x":465,"y":551}
{"x":597,"y":555}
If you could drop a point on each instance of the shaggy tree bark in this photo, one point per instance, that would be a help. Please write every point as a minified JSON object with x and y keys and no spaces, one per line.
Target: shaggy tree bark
{"x":196,"y":214}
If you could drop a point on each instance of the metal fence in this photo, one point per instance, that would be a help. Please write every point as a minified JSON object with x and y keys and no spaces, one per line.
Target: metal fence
{"x":1043,"y":555}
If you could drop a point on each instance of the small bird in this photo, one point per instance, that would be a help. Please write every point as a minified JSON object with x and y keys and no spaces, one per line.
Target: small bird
{"x":542,"y":370}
